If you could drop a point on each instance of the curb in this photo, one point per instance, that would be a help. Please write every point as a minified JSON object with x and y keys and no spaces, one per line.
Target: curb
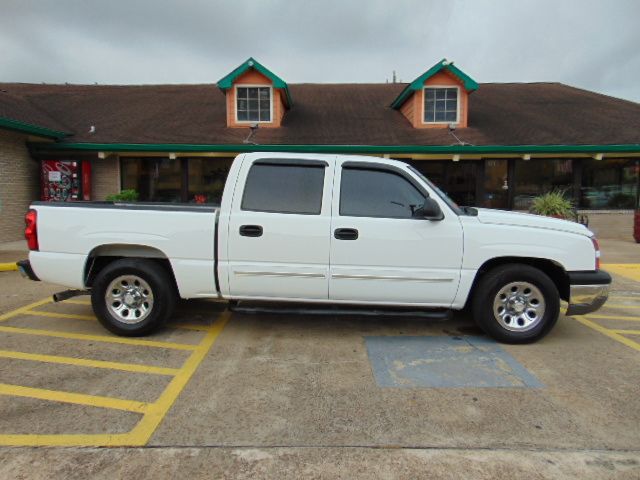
{"x":8,"y":267}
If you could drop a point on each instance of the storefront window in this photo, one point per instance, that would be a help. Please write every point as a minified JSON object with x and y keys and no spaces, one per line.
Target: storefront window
{"x":206,"y":178}
{"x":433,"y":170}
{"x":609,"y":183}
{"x":155,"y":179}
{"x":456,"y":179}
{"x":496,"y":186}
{"x":535,"y":177}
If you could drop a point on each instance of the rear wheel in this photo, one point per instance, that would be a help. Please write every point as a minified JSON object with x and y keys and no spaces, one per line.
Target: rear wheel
{"x":133,"y":297}
{"x":516,"y":303}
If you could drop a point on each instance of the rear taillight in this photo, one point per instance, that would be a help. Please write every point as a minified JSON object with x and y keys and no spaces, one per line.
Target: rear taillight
{"x":31,"y":229}
{"x":596,"y":246}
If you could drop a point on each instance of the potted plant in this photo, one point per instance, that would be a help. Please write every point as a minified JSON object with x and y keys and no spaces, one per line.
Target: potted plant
{"x":123,"y":196}
{"x":553,"y":204}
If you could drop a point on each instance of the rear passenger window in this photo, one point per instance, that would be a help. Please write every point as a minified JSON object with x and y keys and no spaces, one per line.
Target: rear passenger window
{"x":377,"y":193}
{"x":284,"y":189}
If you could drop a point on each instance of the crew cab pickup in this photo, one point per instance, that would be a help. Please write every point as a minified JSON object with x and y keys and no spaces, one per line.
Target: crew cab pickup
{"x":324,"y":229}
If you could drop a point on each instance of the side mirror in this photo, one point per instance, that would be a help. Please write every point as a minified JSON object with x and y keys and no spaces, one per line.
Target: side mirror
{"x":430,"y":210}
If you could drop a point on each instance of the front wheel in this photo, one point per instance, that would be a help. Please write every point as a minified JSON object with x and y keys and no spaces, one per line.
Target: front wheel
{"x":516,"y":303}
{"x":133,"y":297}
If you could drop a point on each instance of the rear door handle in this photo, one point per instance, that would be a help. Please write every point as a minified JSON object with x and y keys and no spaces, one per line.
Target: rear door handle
{"x":251,"y":230}
{"x":346,"y":234}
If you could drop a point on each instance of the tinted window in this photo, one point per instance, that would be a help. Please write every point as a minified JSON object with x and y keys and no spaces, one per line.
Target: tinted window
{"x":375,"y":193}
{"x":284,"y":189}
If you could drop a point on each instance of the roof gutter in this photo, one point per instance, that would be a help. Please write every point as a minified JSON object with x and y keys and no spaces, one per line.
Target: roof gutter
{"x":371,"y":149}
{"x":22,"y":127}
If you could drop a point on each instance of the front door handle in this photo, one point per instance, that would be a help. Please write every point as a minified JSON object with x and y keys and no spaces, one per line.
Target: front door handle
{"x":251,"y":230}
{"x":346,"y":234}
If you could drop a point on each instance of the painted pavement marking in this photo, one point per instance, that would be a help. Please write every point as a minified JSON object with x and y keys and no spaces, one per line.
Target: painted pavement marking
{"x":627,"y":270}
{"x":70,"y":397}
{"x":630,"y":271}
{"x":444,"y":362}
{"x":152,"y":413}
{"x":83,"y":362}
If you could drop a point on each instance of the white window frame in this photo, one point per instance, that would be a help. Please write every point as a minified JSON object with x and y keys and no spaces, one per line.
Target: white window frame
{"x":235,"y":106}
{"x":424,"y":100}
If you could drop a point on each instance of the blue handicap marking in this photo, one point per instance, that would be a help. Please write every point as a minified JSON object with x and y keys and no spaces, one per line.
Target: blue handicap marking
{"x":442,"y":361}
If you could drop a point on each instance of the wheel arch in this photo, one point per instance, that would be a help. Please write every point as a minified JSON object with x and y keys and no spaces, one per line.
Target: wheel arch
{"x":105,"y":254}
{"x":554,"y":270}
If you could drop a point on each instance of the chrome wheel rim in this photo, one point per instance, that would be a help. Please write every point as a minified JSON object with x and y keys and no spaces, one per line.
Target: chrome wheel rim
{"x":129,"y":299}
{"x":519,"y":306}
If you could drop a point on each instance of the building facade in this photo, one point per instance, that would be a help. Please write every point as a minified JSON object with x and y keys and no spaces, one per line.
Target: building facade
{"x":491,"y":145}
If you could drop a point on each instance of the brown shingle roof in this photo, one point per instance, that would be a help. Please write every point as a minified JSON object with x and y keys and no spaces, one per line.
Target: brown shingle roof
{"x":325,"y":114}
{"x":17,"y":108}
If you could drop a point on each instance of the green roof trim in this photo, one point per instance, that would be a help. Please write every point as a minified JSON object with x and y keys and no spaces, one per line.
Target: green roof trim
{"x":362,"y":149}
{"x":226,"y":82}
{"x":469,"y":83}
{"x":22,"y":127}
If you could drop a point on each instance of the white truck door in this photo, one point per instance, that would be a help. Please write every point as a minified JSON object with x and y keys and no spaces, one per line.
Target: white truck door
{"x":279,"y":228}
{"x":380,"y":253}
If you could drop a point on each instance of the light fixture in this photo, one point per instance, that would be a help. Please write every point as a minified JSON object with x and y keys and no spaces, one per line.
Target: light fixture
{"x":101,"y":155}
{"x":598,"y":156}
{"x":456,"y":158}
{"x":172,"y":156}
{"x":526,"y":157}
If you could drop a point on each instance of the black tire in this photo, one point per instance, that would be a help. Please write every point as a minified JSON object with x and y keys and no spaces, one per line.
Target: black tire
{"x":487,"y":292}
{"x":161,"y":287}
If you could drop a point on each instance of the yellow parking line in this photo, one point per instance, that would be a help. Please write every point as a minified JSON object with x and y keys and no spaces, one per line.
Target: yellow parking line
{"x":77,"y":302}
{"x":619,"y":305}
{"x":21,"y":310}
{"x":609,"y":333}
{"x":64,"y":440}
{"x":73,"y":316}
{"x":624,"y":297}
{"x":187,"y":326}
{"x":77,"y":398}
{"x":142,"y":432}
{"x":99,"y":338}
{"x":627,"y":270}
{"x":613,"y":317}
{"x":8,"y":267}
{"x":60,"y":315}
{"x":153,"y":413}
{"x":627,"y":332}
{"x":82,"y":362}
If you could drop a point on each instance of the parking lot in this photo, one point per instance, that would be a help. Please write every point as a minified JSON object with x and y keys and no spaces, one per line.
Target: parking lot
{"x":276,"y":393}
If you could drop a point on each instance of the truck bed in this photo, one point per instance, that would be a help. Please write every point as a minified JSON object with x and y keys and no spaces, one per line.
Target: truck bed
{"x":71,"y":233}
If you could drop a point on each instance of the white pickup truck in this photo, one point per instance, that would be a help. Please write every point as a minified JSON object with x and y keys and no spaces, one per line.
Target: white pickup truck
{"x":319,"y":228}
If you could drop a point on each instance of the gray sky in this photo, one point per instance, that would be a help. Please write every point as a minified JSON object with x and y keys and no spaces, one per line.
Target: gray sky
{"x":586,"y":43}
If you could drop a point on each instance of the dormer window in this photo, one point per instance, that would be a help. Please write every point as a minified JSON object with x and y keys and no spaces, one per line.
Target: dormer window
{"x":437,"y":98}
{"x":441,"y":105}
{"x":255,"y":95}
{"x":253,"y":104}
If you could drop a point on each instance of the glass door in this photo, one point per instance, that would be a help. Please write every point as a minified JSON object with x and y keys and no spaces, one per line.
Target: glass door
{"x":496,"y":185}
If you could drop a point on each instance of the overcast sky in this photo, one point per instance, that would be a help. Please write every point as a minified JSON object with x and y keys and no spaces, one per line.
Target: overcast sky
{"x":586,"y":43}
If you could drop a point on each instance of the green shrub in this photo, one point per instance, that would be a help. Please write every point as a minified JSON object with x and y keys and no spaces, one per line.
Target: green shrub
{"x":553,"y":204}
{"x":123,"y":196}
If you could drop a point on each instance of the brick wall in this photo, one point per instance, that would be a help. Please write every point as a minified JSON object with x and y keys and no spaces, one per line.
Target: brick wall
{"x":105,"y":177}
{"x":19,"y":184}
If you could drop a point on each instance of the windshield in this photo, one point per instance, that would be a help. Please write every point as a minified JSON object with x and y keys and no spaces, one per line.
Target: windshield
{"x":450,"y":203}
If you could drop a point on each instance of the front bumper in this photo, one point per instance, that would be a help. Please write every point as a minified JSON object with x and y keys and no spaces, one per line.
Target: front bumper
{"x":24,"y":267}
{"x":588,"y":291}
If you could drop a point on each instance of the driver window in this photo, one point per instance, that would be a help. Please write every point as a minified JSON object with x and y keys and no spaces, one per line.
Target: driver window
{"x":377,"y":193}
